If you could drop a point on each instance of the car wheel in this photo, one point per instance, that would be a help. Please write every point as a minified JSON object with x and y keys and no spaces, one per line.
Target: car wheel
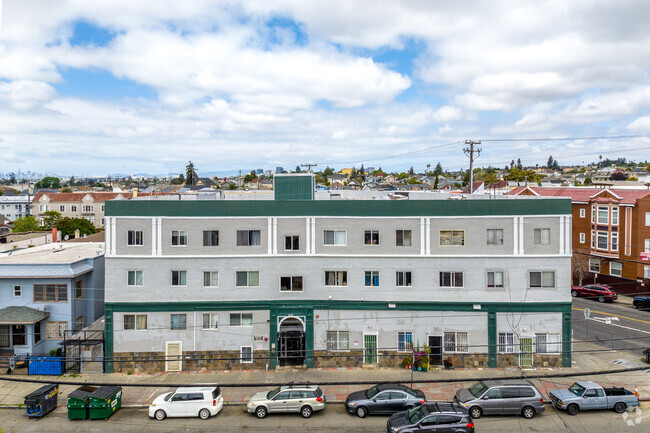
{"x":306,"y":411}
{"x":261,"y":412}
{"x":475,"y":412}
{"x":573,"y":409}
{"x":620,"y":407}
{"x":638,"y":305}
{"x":362,"y":412}
{"x":160,"y":415}
{"x":601,"y":299}
{"x":204,"y":414}
{"x":574,"y":293}
{"x":528,"y":412}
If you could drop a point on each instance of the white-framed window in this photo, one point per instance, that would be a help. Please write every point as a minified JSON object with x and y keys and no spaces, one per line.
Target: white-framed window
{"x":541,"y":279}
{"x":451,"y":279}
{"x":614,"y":215}
{"x":602,"y":217}
{"x":246,"y":354}
{"x":291,"y":284}
{"x":136,"y":322}
{"x":92,"y":219}
{"x":335,"y":237}
{"x":61,"y":208}
{"x":495,"y":279}
{"x":371,"y":279}
{"x":495,"y":236}
{"x":647,"y":245}
{"x":134,"y":278}
{"x":403,"y":238}
{"x":73,"y":208}
{"x":210,"y":279}
{"x":542,"y":236}
{"x":249,"y":238}
{"x":241,"y":319}
{"x":178,"y":321}
{"x":88,"y":208}
{"x":179,"y":238}
{"x":593,"y":214}
{"x":593,"y":239}
{"x":338,"y":340}
{"x":102,"y":208}
{"x":456,"y":342}
{"x":404,"y":341}
{"x":179,"y":278}
{"x":614,"y":239}
{"x":210,"y":238}
{"x":210,"y":321}
{"x":452,"y":238}
{"x":594,"y":265}
{"x":647,"y":219}
{"x":247,"y":279}
{"x":646,"y":271}
{"x":371,"y":237}
{"x":582,"y":238}
{"x":56,"y":330}
{"x":18,"y":291}
{"x":582,"y":213}
{"x":507,"y":342}
{"x":615,"y":269}
{"x":291,"y":243}
{"x":336,"y":278}
{"x":601,"y":240}
{"x":43,"y":208}
{"x":403,"y":279}
{"x":548,"y":343}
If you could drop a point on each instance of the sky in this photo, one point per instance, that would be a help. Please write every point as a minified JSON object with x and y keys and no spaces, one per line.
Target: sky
{"x":116,"y":86}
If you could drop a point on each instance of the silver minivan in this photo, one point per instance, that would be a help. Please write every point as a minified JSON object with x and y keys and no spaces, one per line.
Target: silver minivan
{"x":501,"y":397}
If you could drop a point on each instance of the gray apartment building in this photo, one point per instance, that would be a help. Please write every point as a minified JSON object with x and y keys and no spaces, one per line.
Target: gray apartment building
{"x":220,"y":284}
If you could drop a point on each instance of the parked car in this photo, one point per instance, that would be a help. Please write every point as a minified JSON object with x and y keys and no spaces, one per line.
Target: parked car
{"x":501,"y":397}
{"x":203,"y":402}
{"x":435,"y":417}
{"x":385,"y":398}
{"x":642,"y":303}
{"x":601,"y":292}
{"x":589,"y":395}
{"x":302,"y":399}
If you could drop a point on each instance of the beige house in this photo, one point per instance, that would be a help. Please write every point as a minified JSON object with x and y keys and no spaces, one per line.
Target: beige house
{"x":88,"y":205}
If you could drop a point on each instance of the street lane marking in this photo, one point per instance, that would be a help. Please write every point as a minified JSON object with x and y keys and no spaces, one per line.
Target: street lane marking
{"x":602,"y":320}
{"x":612,"y":315}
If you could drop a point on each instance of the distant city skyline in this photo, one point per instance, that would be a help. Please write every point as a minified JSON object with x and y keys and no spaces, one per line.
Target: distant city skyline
{"x":143,"y":87}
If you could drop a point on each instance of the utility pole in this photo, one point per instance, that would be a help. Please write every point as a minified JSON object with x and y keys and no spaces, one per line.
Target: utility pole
{"x":469,"y":151}
{"x":309,"y":166}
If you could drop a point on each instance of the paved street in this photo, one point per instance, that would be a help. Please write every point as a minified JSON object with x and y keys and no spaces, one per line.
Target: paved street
{"x":233,"y":419}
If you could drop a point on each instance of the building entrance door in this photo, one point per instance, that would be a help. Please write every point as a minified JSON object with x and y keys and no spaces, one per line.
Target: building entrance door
{"x":370,"y":348}
{"x":435,"y":345}
{"x":173,"y":356}
{"x":291,"y":342}
{"x":526,"y":352}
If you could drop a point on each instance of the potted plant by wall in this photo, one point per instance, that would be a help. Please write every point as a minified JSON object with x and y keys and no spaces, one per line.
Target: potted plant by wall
{"x":449,"y":363}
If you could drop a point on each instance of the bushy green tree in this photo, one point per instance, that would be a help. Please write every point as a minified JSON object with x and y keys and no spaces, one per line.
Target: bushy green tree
{"x":67,"y":226}
{"x":51,"y":219}
{"x":26,"y":224}
{"x":49,"y":182}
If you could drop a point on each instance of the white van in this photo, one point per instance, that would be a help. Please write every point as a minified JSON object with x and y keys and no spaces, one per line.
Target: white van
{"x":203,"y":402}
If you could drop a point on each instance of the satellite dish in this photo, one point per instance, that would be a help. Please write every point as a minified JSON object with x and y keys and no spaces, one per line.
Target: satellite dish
{"x":66,"y":237}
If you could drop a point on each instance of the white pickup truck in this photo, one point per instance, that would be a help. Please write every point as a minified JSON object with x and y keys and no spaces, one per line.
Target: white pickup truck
{"x":588,"y":395}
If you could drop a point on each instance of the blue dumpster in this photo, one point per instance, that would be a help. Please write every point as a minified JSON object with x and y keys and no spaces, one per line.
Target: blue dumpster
{"x":52,"y":365}
{"x":42,"y":401}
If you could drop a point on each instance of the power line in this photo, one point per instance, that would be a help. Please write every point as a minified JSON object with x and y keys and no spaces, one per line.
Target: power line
{"x":597,"y":137}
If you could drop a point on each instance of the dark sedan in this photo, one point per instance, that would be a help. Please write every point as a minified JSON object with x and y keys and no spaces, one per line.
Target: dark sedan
{"x":385,"y":398}
{"x":432,"y":418}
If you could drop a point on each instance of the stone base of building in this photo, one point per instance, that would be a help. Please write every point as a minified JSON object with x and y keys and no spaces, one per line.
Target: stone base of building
{"x":153,"y":362}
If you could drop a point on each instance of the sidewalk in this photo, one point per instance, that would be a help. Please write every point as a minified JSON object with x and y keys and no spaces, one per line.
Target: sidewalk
{"x":12,"y":393}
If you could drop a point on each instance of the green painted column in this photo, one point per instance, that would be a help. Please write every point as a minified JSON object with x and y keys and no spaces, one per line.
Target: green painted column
{"x":566,"y":337}
{"x":273,"y":338}
{"x":108,"y":339}
{"x":492,"y":339}
{"x":309,"y":338}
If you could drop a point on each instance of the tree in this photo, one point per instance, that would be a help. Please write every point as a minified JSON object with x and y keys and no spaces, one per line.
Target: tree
{"x":298,"y":169}
{"x":190,"y":174}
{"x":618,"y":175}
{"x":12,"y":178}
{"x":580,"y":265}
{"x":51,"y":219}
{"x":413,"y":181}
{"x":362,"y":171}
{"x":438,"y":170}
{"x":549,"y":163}
{"x":328,"y":171}
{"x":512,"y":163}
{"x":101,"y":185}
{"x":519,"y":166}
{"x":179,"y":180}
{"x":411,"y":172}
{"x":26,"y":224}
{"x":71,"y":182}
{"x":49,"y":182}
{"x":588,"y":181}
{"x":67,"y":226}
{"x":250,"y":176}
{"x":435,"y":184}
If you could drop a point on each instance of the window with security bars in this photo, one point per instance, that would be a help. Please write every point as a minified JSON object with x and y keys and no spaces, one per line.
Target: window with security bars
{"x":371,"y":237}
{"x":291,"y":284}
{"x":542,"y":279}
{"x":4,"y":336}
{"x":50,"y":293}
{"x":336,"y":278}
{"x":249,"y":238}
{"x":548,"y":343}
{"x":134,"y":238}
{"x":338,"y":340}
{"x":247,"y":279}
{"x":403,"y":279}
{"x":403,"y":238}
{"x":495,"y":236}
{"x":210,"y":279}
{"x":404,"y":341}
{"x":506,"y":342}
{"x":456,"y":342}
{"x":542,"y":236}
{"x":56,"y":330}
{"x":246,"y":354}
{"x":452,"y":238}
{"x":210,"y":238}
{"x":210,"y":321}
{"x":371,"y":279}
{"x":451,"y":279}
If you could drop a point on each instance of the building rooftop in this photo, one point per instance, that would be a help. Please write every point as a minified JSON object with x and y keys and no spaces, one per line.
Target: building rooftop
{"x":54,"y":253}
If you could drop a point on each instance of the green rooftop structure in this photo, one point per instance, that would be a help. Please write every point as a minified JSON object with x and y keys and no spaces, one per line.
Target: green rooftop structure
{"x":294,"y":186}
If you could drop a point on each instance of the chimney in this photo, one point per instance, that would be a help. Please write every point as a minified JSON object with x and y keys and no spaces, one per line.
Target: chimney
{"x":135,"y":192}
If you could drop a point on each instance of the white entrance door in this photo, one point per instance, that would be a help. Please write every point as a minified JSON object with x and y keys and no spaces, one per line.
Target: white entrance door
{"x":173,"y":356}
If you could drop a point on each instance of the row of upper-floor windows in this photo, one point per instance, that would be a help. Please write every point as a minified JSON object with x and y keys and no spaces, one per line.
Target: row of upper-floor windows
{"x":602,"y":214}
{"x":602,"y":240}
{"x":494,"y":279}
{"x":73,"y":208}
{"x":50,"y":292}
{"x":403,"y":238}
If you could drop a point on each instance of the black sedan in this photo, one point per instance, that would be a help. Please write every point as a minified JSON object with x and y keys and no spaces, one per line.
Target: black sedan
{"x":385,"y":398}
{"x":432,"y":417}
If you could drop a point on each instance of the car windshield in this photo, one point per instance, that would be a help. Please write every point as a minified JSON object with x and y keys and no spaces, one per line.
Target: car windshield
{"x":168,"y":396}
{"x":372,"y":391}
{"x":415,"y":414}
{"x":272,"y":393}
{"x":577,"y":389}
{"x":478,"y":389}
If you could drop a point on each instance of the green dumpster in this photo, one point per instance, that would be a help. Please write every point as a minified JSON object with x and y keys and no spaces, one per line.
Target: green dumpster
{"x":104,"y":402}
{"x":78,"y":402}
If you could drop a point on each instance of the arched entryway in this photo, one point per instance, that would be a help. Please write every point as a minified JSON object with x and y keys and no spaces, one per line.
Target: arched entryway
{"x":291,"y":342}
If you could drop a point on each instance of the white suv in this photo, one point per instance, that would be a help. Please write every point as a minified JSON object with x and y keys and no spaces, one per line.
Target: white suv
{"x":203,"y":402}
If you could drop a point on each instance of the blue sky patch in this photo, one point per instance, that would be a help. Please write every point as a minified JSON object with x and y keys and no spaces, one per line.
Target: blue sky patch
{"x":281,"y":27}
{"x":100,"y":84}
{"x":85,"y":33}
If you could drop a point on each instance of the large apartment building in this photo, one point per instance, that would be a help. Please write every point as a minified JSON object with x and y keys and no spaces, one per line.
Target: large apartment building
{"x":223,"y":284}
{"x":88,"y":205}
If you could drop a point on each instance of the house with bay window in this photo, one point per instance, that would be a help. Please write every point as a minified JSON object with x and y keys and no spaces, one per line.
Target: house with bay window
{"x":300,"y":280}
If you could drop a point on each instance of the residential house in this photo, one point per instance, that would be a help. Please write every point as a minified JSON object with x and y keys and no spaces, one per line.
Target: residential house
{"x":88,"y":205}
{"x":14,"y":206}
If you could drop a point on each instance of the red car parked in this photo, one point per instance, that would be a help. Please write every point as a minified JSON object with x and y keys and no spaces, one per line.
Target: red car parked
{"x":601,"y":292}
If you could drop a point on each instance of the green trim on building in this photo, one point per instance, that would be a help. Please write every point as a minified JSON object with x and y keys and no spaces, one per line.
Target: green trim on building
{"x":306,"y":308}
{"x":294,"y":186}
{"x":337,"y":208}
